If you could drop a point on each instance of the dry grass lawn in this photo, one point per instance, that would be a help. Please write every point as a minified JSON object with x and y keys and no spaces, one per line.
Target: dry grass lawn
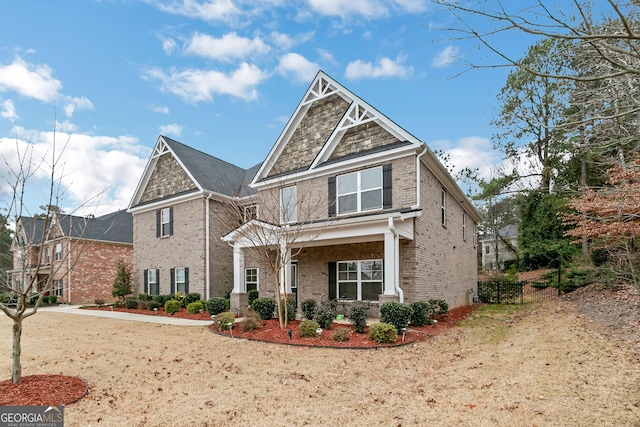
{"x":541,"y":365}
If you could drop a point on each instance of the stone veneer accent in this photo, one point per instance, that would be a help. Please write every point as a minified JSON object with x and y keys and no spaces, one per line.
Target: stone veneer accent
{"x":168,"y":178}
{"x":311,"y":134}
{"x":362,"y":138}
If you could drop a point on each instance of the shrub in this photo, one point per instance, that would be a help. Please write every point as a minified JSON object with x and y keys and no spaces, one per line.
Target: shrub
{"x":45,"y":300}
{"x":162,"y":299}
{"x":308,"y":308}
{"x":189,"y":298}
{"x":145,"y":297}
{"x":358,"y":315}
{"x":253,"y":295}
{"x":421,"y":313}
{"x":122,"y":281}
{"x":216,"y":305}
{"x":291,"y":309}
{"x":99,"y":302}
{"x":153,"y":305}
{"x":340,"y":334}
{"x":131,"y":303}
{"x":308,"y":328}
{"x":396,"y":314}
{"x":4,"y":298}
{"x":324,"y":315}
{"x":33,"y":299}
{"x":264,"y":307}
{"x":118,"y":304}
{"x":224,"y":321}
{"x":172,"y":306}
{"x":250,"y":323}
{"x":195,"y":307}
{"x":383,"y":333}
{"x":143,"y":305}
{"x":439,"y":306}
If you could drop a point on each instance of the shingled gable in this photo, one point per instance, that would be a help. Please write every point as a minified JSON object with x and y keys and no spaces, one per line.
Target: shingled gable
{"x":191,"y":171}
{"x":332,"y":126}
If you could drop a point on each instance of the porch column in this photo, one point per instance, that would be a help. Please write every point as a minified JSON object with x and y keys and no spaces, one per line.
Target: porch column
{"x":390,"y":263}
{"x":285,"y":272}
{"x":238,"y":269}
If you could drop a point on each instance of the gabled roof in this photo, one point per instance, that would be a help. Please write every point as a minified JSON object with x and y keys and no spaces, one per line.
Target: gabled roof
{"x":208,"y":173}
{"x":115,"y":227}
{"x":347,"y":112}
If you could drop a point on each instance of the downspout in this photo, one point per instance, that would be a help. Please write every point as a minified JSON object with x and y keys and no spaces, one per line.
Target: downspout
{"x":207,"y":273}
{"x":418,"y":157}
{"x":396,"y":263}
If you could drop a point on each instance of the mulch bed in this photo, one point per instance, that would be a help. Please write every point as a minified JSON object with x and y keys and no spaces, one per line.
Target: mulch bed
{"x":42,"y":390}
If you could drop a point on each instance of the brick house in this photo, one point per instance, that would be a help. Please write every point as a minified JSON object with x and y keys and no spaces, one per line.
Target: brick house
{"x":180,"y":211}
{"x":378,"y":218}
{"x":78,"y":254}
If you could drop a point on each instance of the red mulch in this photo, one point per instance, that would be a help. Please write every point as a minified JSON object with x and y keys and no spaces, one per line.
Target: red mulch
{"x":270,"y":331}
{"x":181,"y":314}
{"x":42,"y":390}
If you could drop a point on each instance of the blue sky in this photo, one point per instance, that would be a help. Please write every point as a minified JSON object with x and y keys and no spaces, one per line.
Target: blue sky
{"x":223,"y":76}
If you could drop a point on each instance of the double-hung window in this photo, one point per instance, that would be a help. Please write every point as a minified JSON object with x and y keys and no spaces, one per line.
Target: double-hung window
{"x":164,"y":222}
{"x":443,"y":207}
{"x":360,"y":280}
{"x":57,"y":288}
{"x":152,"y":281}
{"x":58,"y":254}
{"x":359,"y":191}
{"x":251,"y":278}
{"x":288,"y":205}
{"x":181,"y":280}
{"x":47,"y":256}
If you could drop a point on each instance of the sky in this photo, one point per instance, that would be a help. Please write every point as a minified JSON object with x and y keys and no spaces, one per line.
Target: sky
{"x":222,"y":76}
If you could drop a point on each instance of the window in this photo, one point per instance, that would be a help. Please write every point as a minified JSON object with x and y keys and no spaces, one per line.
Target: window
{"x":164,"y":222}
{"x":58,"y":251}
{"x":443,"y":207}
{"x":464,"y":226}
{"x":288,"y":202}
{"x":181,"y":280}
{"x":47,"y":256}
{"x":487,"y":249}
{"x":360,"y":280}
{"x":57,"y":288}
{"x":360,"y":191}
{"x":249,"y":213}
{"x":152,"y":281}
{"x":251,"y":278}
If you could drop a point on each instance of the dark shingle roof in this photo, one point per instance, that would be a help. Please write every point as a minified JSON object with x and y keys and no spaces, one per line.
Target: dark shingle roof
{"x":115,"y":227}
{"x":212,"y":173}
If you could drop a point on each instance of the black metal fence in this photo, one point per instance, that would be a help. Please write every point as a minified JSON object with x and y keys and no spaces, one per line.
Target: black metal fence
{"x":503,"y":291}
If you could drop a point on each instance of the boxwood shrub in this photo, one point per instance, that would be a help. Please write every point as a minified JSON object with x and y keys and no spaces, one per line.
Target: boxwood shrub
{"x":421,"y":313}
{"x":195,"y":307}
{"x":131,"y":303}
{"x":308,"y":328}
{"x":172,"y":306}
{"x":224,"y":321}
{"x":216,"y":305}
{"x":383,"y":333}
{"x":324,"y":315}
{"x":189,"y":298}
{"x":309,"y":308}
{"x":250,"y":323}
{"x":396,"y":314}
{"x":153,"y":305}
{"x":264,"y":307}
{"x":358,"y":315}
{"x":253,"y":294}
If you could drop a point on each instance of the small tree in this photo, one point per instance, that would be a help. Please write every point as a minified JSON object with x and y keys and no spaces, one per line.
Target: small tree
{"x":122,"y":282}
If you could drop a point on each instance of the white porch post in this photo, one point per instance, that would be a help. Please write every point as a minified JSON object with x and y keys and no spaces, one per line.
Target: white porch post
{"x":390,"y":263}
{"x":238,"y":269}
{"x":285,"y":280}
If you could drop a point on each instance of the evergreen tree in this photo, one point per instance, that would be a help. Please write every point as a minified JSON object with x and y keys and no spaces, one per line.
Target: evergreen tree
{"x":122,"y":282}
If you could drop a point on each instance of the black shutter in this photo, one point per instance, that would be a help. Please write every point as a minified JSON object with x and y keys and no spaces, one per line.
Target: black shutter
{"x":173,"y":282}
{"x":333,"y":280}
{"x":146,"y":282}
{"x":332,"y":196}
{"x":386,"y":186}
{"x":158,"y":279}
{"x":171,"y":221}
{"x":158,"y":223}
{"x":186,"y":280}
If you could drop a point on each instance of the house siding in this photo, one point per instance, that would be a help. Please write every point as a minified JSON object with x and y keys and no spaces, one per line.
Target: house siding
{"x":168,"y":178}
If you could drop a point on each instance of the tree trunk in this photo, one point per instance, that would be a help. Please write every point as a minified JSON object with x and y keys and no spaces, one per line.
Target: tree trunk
{"x":583,"y":184}
{"x":16,"y":369}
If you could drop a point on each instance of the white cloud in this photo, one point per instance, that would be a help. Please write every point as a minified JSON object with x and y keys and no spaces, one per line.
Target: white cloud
{"x":286,"y":42}
{"x":326,"y":56}
{"x":73,"y":104}
{"x":98,"y":173}
{"x":385,"y":68}
{"x":194,"y":85}
{"x":66,"y":127}
{"x":296,"y":66}
{"x":168,"y":46}
{"x":227,"y":48}
{"x":412,"y":6}
{"x":207,"y":10}
{"x":172,"y":129}
{"x":33,"y":81}
{"x":446,"y":57}
{"x":8,"y":110}
{"x":159,"y":109}
{"x":343,"y":9}
{"x":471,"y":152}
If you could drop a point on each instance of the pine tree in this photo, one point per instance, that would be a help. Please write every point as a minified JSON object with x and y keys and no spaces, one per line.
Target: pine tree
{"x":122,"y":282}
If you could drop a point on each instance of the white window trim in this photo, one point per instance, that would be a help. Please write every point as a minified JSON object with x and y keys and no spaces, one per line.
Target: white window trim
{"x":57,"y":288}
{"x":358,"y":192}
{"x":289,"y":213}
{"x":257,"y":282}
{"x":464,"y":226}
{"x":177,"y":283}
{"x":443,"y":207}
{"x":155,"y":281}
{"x":163,"y":222}
{"x":359,"y":280}
{"x":58,"y":255}
{"x":246,"y":213}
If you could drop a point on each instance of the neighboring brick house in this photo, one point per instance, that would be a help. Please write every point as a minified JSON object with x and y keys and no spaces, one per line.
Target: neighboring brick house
{"x":498,"y":254}
{"x":79,"y":254}
{"x":180,"y":211}
{"x":380,"y":218}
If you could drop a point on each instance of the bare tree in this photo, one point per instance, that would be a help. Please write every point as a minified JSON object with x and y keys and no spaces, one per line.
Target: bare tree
{"x":277,"y":224}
